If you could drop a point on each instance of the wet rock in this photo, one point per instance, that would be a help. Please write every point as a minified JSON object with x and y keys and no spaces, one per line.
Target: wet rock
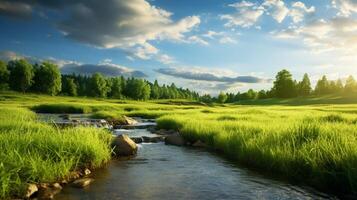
{"x":87,"y":172}
{"x":199,"y":144}
{"x":47,"y":191}
{"x":57,"y":186}
{"x":157,"y":139}
{"x":123,"y":146}
{"x":151,"y":129}
{"x":83,"y":182}
{"x":30,"y":190}
{"x":130,"y":121}
{"x":137,"y":140}
{"x":175,"y":139}
{"x":146,"y":139}
{"x":74,"y":175}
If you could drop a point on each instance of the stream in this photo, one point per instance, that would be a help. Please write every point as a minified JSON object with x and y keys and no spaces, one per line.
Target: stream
{"x":160,"y":171}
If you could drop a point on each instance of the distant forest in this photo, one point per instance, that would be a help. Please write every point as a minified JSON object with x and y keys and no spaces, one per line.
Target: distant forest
{"x":46,"y":78}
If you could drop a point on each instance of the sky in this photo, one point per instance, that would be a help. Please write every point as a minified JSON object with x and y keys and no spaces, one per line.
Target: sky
{"x":205,"y":45}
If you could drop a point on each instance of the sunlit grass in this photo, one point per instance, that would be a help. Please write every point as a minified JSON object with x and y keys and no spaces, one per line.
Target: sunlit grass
{"x":36,"y":152}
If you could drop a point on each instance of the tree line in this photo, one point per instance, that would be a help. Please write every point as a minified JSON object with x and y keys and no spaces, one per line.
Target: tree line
{"x":286,"y":87}
{"x":46,"y":78}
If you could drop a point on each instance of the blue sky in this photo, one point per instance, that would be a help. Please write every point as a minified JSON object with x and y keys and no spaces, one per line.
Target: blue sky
{"x":209,"y":46}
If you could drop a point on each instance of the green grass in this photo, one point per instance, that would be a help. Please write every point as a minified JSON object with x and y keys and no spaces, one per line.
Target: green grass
{"x":311,"y":141}
{"x":37,"y":152}
{"x":302,"y":144}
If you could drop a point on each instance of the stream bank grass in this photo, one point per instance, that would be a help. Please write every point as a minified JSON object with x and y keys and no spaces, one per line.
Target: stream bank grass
{"x":318,"y":148}
{"x":37,"y":152}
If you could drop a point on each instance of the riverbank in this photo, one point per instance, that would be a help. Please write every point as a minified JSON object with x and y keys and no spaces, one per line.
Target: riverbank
{"x":302,"y":145}
{"x":34,"y":152}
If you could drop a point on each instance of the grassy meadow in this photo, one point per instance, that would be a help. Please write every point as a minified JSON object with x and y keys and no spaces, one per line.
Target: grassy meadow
{"x":314,"y":144}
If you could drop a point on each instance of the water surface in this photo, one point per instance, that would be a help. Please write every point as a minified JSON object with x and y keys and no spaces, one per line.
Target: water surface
{"x":169,"y":172}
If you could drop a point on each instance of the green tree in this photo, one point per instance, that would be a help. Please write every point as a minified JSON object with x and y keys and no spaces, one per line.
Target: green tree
{"x":4,"y":75}
{"x":304,"y":87}
{"x":155,"y":90}
{"x":322,"y":86}
{"x":206,"y":98}
{"x":262,"y":94}
{"x":138,"y":89}
{"x":222,"y":97}
{"x":47,"y":79}
{"x":116,"y":88}
{"x":21,"y":74}
{"x":99,"y":85}
{"x":69,"y":87}
{"x":284,"y":85}
{"x":351,"y":85}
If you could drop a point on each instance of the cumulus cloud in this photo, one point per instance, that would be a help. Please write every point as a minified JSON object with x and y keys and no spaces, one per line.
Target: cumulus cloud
{"x":212,"y":34}
{"x":345,"y":7}
{"x":248,"y":13}
{"x":201,"y":74}
{"x":277,"y":8}
{"x":299,"y":10}
{"x":326,"y":35}
{"x":166,"y":59}
{"x":246,"y":16}
{"x":227,"y":40}
{"x":198,"y":40}
{"x":129,"y":25}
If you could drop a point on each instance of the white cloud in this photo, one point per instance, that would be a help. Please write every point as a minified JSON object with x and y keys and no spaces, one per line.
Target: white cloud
{"x":277,"y":9}
{"x":338,"y":34}
{"x":299,"y":10}
{"x":227,"y":40}
{"x":145,"y":51}
{"x":211,"y":34}
{"x":247,"y":15}
{"x":166,"y":59}
{"x":198,"y":40}
{"x":345,"y":7}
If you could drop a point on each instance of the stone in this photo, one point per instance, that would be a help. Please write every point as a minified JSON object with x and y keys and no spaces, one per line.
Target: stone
{"x":146,"y":139}
{"x":57,"y":186}
{"x":199,"y":144}
{"x":157,"y":139}
{"x":124,"y":146}
{"x":137,"y":140}
{"x":175,"y":139}
{"x":30,"y":190}
{"x":130,"y":121}
{"x":73,"y":175}
{"x":47,"y":191}
{"x":87,"y":172}
{"x":83,"y":182}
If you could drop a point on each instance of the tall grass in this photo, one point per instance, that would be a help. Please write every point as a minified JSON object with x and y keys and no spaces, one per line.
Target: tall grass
{"x":36,"y":152}
{"x":311,"y":148}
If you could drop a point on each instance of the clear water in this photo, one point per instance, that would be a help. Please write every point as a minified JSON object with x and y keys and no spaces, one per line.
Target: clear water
{"x":169,"y":172}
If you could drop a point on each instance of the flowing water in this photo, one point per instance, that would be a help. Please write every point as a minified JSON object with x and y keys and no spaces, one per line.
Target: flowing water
{"x":168,"y":172}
